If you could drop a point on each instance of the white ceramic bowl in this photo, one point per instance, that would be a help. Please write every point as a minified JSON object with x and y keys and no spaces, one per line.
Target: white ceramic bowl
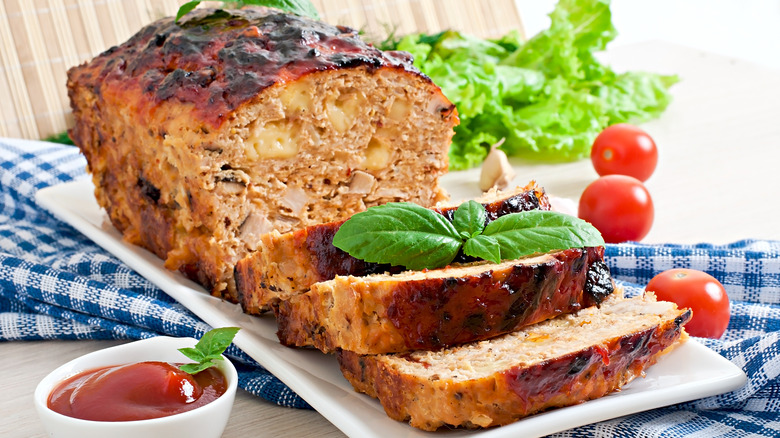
{"x":204,"y":422}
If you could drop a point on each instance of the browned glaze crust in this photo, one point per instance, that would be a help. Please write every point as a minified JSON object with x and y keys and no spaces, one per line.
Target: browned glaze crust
{"x":515,"y":392}
{"x":218,"y":59}
{"x":400,"y":314}
{"x":261,"y":279}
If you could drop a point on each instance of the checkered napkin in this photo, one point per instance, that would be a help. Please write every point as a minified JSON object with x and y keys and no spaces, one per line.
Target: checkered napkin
{"x":57,"y":284}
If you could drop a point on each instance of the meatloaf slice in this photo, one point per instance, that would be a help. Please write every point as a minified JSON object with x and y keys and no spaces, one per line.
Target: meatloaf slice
{"x":288,"y":264}
{"x":204,"y":134}
{"x":433,"y":309}
{"x":556,"y":363}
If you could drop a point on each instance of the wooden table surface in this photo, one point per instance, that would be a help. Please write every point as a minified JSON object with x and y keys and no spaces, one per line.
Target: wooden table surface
{"x":717,"y":182}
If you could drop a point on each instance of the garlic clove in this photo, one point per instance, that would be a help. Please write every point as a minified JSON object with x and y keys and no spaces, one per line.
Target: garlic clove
{"x":496,"y":170}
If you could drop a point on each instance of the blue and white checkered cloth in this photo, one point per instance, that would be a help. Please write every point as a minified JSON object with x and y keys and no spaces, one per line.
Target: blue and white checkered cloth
{"x":57,"y":284}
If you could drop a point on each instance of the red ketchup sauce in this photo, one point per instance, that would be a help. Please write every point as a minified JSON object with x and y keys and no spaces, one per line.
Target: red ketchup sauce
{"x":138,"y":391}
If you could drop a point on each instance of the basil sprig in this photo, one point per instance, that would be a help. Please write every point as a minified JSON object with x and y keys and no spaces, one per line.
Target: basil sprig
{"x":208,"y":349}
{"x":406,"y":234}
{"x":299,"y":7}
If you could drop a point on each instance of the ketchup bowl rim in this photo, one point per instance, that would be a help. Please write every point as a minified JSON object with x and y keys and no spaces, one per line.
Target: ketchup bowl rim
{"x":158,"y":348}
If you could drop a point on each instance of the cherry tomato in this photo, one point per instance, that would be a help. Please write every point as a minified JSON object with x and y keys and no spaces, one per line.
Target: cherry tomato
{"x":624,"y":149}
{"x":618,"y":206}
{"x":700,"y":292}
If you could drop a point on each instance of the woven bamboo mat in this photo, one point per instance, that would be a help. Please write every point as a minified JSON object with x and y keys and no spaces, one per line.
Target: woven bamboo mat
{"x":41,"y":39}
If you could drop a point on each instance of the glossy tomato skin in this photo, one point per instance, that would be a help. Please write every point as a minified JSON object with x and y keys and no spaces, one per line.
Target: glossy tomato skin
{"x":700,"y":292}
{"x":619,"y":206}
{"x":624,"y":149}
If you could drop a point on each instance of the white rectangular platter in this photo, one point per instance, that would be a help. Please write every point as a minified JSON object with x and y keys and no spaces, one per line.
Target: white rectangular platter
{"x":691,"y":371}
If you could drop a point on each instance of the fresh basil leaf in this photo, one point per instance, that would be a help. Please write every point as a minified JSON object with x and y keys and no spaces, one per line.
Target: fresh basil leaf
{"x":401,"y":233}
{"x":60,"y":137}
{"x":193,"y":353}
{"x":409,"y":235}
{"x":538,"y":231}
{"x":469,"y":219}
{"x":208,"y":349}
{"x":299,"y":7}
{"x":217,"y":340}
{"x":213,"y":357}
{"x":185,"y":8}
{"x":483,"y":247}
{"x":195,"y":368}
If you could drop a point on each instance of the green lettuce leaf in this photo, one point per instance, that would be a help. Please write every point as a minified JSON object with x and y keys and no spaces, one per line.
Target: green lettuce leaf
{"x":548,"y":97}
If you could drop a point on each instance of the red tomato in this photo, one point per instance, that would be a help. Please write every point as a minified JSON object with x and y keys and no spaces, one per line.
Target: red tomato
{"x":618,"y":206}
{"x":700,"y":292}
{"x":624,"y":149}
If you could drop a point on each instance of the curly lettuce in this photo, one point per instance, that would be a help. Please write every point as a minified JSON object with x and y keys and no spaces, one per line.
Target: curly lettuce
{"x":548,"y":97}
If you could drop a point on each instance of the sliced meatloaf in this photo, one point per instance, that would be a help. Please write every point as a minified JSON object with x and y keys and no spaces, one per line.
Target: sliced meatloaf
{"x":286,"y":264}
{"x":433,"y":309}
{"x":204,"y":134}
{"x":556,"y":363}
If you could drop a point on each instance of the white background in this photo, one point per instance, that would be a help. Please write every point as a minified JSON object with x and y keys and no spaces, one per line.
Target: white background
{"x":744,"y":29}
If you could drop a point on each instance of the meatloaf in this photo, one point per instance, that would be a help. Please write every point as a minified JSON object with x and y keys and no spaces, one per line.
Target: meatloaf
{"x":204,"y":134}
{"x":433,"y":309}
{"x":560,"y":362}
{"x":288,"y":264}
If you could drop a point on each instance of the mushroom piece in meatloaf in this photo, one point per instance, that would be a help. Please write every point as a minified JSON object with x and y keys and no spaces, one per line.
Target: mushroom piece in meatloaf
{"x":204,"y":134}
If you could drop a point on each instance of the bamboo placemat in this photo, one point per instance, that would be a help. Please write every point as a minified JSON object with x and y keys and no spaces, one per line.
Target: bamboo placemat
{"x":41,"y":39}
